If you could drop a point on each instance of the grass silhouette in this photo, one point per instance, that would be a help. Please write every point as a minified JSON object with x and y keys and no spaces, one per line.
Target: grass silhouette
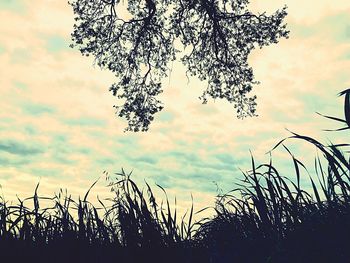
{"x":268,"y":217}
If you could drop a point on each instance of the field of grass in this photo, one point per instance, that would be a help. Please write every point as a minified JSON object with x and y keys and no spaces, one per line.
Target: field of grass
{"x":267,"y":218}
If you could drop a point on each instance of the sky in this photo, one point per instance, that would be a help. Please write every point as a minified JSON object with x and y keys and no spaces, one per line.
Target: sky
{"x":58,"y":125}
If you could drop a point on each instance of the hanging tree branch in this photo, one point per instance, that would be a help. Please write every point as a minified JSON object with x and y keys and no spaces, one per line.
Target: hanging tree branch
{"x":220,"y":35}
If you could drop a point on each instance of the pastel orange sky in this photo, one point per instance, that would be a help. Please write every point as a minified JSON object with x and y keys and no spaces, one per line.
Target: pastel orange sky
{"x":57,"y":123}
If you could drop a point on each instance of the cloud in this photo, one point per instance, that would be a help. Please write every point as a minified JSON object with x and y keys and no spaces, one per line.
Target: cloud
{"x":64,"y":150}
{"x":129,"y":140}
{"x":304,"y":12}
{"x":6,"y":161}
{"x":30,"y":130}
{"x":335,"y":27}
{"x":225,"y":158}
{"x":21,"y":56}
{"x":37,"y":109}
{"x":20,"y":148}
{"x":63,"y":158}
{"x":144,"y":159}
{"x":183,"y":156}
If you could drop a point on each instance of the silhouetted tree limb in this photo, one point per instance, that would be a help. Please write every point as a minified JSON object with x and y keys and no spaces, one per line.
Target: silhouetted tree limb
{"x":217,"y":36}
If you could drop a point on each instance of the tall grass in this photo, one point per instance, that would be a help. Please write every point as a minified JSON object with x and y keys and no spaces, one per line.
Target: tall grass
{"x":132,"y":220}
{"x":271,"y":218}
{"x":268,"y":217}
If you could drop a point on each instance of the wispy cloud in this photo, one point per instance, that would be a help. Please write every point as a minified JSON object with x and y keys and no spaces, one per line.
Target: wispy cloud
{"x":21,"y":56}
{"x":6,"y":161}
{"x":85,"y":121}
{"x":20,"y":148}
{"x":37,"y":109}
{"x":145,"y":159}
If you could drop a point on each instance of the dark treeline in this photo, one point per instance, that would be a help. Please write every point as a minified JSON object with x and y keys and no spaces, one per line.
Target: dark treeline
{"x":269,"y":217}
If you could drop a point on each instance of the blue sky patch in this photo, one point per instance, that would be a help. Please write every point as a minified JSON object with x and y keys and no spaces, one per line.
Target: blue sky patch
{"x":20,"y":85}
{"x":57,"y":44}
{"x":46,"y":172}
{"x":12,"y":5}
{"x":166,"y":116}
{"x":85,"y":121}
{"x":105,"y":161}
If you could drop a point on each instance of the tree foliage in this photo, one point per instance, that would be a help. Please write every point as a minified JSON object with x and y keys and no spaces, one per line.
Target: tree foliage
{"x":216,"y":35}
